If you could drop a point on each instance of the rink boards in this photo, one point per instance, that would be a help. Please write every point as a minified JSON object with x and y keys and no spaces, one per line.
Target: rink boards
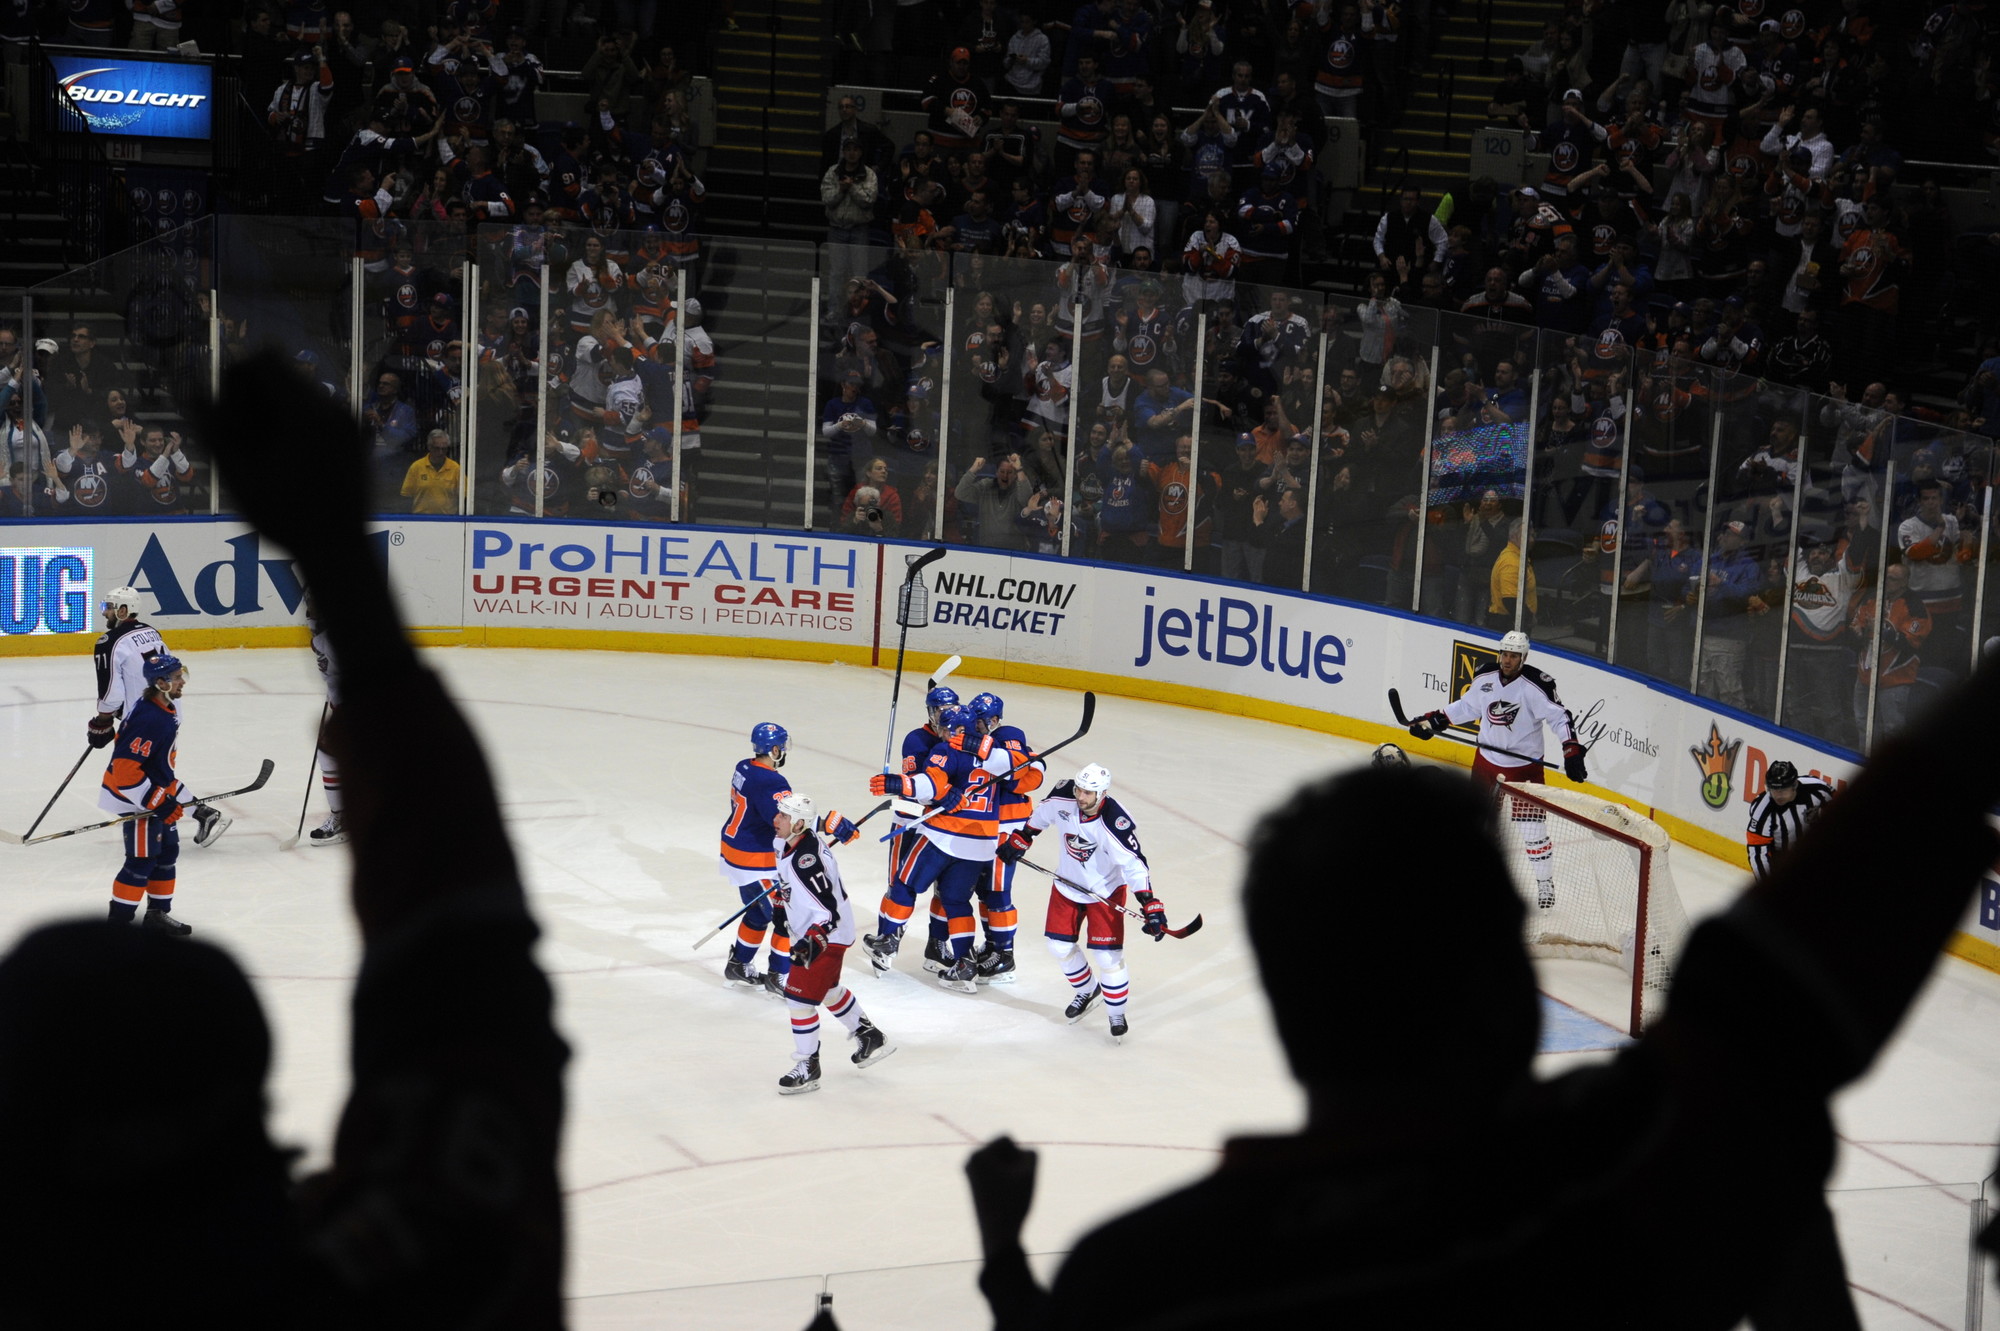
{"x":1231,"y":647}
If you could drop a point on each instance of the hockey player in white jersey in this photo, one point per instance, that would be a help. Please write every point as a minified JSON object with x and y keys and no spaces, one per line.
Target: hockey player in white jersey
{"x":1512,"y":700}
{"x":822,"y":924}
{"x":120,"y":657}
{"x":1101,"y":861}
{"x":334,"y":830}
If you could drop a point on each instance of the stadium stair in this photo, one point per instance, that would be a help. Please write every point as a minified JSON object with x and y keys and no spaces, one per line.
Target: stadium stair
{"x":744,"y":91}
{"x":1415,"y":148}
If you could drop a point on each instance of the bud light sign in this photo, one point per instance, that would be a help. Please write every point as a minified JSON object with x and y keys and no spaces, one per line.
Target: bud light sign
{"x":148,"y":99}
{"x":45,"y":589}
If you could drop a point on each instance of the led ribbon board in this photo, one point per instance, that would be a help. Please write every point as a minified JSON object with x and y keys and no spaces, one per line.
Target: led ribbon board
{"x":148,"y":99}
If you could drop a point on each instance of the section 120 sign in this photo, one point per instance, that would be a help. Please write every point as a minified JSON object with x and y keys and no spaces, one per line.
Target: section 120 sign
{"x":45,"y":589}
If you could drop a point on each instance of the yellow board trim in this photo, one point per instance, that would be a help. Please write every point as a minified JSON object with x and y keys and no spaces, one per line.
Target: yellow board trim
{"x":1964,"y":946}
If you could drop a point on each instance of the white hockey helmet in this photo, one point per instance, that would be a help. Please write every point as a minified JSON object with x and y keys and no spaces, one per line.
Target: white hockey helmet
{"x":1093,"y":778}
{"x":795,"y":805}
{"x":691,"y":308}
{"x":1389,"y":755}
{"x":1516,"y":641}
{"x":127,"y":597}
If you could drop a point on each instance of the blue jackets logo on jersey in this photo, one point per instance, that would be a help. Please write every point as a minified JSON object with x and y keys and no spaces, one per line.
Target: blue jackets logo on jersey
{"x":1079,"y":847}
{"x":1502,"y":713}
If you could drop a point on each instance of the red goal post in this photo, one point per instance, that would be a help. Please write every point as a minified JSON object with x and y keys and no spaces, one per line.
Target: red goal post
{"x":1603,"y":890}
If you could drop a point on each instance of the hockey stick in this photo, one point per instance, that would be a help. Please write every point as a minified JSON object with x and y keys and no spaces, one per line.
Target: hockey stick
{"x":312,"y":766}
{"x":1082,"y":729}
{"x":263,"y":775}
{"x":752,"y":903}
{"x":1396,"y":706}
{"x":905,"y":596}
{"x":944,"y":672}
{"x":1192,"y":926}
{"x":53,"y":798}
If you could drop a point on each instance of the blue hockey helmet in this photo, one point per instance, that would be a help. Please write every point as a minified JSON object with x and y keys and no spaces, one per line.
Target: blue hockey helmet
{"x":987,"y":709}
{"x":955,"y":719}
{"x":772,"y":738}
{"x":161,"y":667}
{"x":938,"y":699}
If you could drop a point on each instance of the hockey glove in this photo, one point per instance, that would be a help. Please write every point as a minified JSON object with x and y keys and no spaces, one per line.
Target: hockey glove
{"x":888,"y":783}
{"x":1429,"y":724}
{"x":840,"y":829}
{"x":1013,"y":846}
{"x":102,"y":730}
{"x":1573,"y":767}
{"x":1156,"y":915}
{"x":808,"y":946}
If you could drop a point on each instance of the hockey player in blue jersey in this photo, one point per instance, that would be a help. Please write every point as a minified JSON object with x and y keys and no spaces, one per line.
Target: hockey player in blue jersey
{"x":749,"y":862}
{"x":952,"y":851}
{"x":995,"y":958}
{"x":141,"y":779}
{"x":917,"y":746}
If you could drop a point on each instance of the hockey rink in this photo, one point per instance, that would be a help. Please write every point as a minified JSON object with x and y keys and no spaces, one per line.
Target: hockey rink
{"x":699,"y":1197}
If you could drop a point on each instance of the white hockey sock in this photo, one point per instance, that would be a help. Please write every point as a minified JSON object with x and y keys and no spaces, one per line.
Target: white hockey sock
{"x":1541,"y":858}
{"x":1077,"y":971}
{"x":329,"y":780}
{"x":1115,"y":993}
{"x":805,"y":1028}
{"x":846,"y":1008}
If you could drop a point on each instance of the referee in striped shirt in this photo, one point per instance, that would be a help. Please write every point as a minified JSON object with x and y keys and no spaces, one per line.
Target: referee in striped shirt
{"x":1781,"y":814}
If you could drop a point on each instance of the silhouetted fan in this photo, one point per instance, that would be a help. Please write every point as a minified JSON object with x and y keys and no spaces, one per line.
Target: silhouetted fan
{"x":823,"y":1319}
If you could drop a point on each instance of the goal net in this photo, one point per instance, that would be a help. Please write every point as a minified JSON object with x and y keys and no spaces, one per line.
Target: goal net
{"x":1597,"y":884}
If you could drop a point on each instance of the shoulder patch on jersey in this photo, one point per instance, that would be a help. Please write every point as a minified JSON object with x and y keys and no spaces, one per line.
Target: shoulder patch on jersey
{"x":806,"y":861}
{"x":1065,"y":790}
{"x":1542,"y":680}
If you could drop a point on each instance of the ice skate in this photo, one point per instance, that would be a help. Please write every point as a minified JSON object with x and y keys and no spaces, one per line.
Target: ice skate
{"x":871,"y":1046}
{"x":739,"y":973}
{"x":1081,"y":1004}
{"x":961,"y":978}
{"x":1118,"y":1029}
{"x":209,"y":824}
{"x":1545,"y":896}
{"x":329,"y":833}
{"x":936,"y":959}
{"x":882,"y":949}
{"x":803,"y":1077}
{"x":774,"y":984}
{"x":161,"y":922}
{"x":996,"y":966}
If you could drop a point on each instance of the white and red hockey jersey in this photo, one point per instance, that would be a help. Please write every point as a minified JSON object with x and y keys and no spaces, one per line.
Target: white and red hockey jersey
{"x":1511,"y":714}
{"x":811,"y":891}
{"x":1100,"y":851}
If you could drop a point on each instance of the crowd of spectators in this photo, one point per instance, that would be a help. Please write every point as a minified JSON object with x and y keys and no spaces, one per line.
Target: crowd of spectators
{"x":1727,"y":266}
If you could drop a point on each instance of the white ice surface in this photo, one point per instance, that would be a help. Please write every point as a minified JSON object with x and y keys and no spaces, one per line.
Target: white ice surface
{"x":682,"y":1164}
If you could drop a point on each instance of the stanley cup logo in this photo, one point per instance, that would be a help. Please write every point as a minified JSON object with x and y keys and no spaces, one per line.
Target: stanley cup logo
{"x":1717,"y":761}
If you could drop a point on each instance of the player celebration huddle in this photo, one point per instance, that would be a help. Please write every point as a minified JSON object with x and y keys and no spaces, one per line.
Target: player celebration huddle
{"x":965,"y":817}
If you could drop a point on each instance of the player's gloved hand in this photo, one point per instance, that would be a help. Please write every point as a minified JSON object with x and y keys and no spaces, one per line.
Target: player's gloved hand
{"x":1573,"y":767}
{"x":808,"y":946}
{"x":840,"y":829}
{"x":1156,"y":915}
{"x":102,"y":730}
{"x":1429,"y":724}
{"x":888,"y":783}
{"x":1013,"y":846}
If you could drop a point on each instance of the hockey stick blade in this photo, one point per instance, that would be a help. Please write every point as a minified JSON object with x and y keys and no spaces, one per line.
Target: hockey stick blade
{"x":944,"y":671}
{"x":1396,"y":706}
{"x":923,"y":561}
{"x":872,"y":812}
{"x":1082,"y":729}
{"x":263,"y":775}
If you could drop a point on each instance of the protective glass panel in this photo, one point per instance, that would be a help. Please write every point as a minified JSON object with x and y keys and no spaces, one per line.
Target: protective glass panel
{"x":1674,"y":413}
{"x":102,"y":434}
{"x":415,"y":329}
{"x":1479,"y":460}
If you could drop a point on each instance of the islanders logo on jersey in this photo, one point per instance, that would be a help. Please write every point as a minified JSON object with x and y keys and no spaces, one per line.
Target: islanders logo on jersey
{"x":1078,"y":847}
{"x":90,"y":490}
{"x":1565,"y":157}
{"x":1141,"y":349}
{"x":1711,"y":78}
{"x":1173,"y":499}
{"x":466,"y":110}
